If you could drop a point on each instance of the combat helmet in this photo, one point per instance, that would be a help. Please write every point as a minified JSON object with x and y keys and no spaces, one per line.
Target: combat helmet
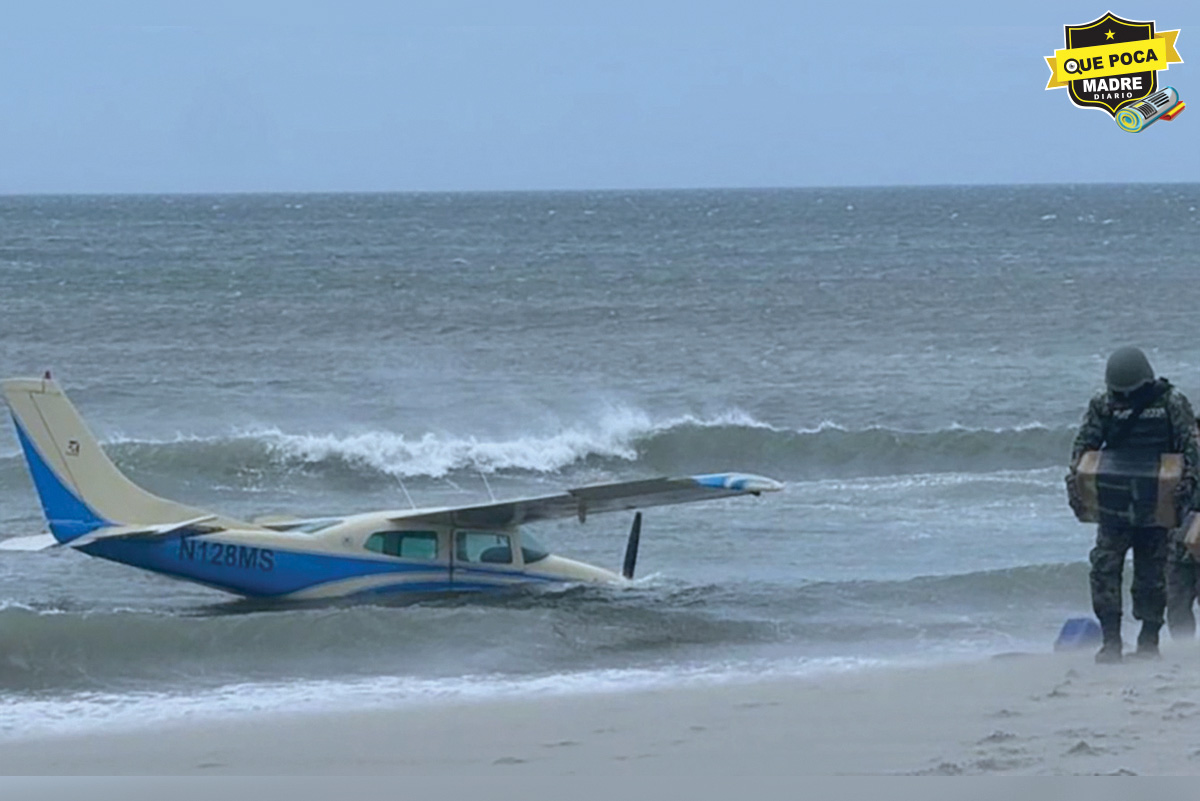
{"x":1128,"y":368}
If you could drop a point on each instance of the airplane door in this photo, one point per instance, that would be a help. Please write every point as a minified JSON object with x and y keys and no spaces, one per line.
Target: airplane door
{"x":484,"y":559}
{"x":421,"y":557}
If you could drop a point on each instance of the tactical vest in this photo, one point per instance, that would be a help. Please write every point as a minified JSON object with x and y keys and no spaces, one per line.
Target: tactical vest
{"x":1127,"y":491}
{"x":1151,"y":432}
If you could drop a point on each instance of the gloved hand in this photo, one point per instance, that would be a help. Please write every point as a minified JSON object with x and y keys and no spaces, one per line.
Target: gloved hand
{"x":1073,"y":496}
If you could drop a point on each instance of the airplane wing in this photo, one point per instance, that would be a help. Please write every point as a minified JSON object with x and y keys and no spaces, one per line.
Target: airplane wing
{"x":582,"y":501}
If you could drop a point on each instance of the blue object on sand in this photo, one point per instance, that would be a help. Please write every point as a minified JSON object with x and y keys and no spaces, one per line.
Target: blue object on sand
{"x":1078,"y":632}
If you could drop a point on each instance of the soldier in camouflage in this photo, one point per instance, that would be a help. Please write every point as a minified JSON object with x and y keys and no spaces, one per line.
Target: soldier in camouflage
{"x":1183,"y":583}
{"x":1183,"y":588}
{"x":1164,"y":424}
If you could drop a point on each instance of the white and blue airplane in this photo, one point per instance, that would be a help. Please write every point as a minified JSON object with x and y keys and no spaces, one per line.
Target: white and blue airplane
{"x":91,"y":506}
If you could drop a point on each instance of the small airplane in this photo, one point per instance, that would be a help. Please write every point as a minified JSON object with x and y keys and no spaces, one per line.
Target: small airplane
{"x":91,"y":506}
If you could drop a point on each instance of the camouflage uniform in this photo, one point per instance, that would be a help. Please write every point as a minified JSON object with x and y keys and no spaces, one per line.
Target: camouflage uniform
{"x":1149,"y":544}
{"x":1183,"y":581}
{"x":1183,"y":588}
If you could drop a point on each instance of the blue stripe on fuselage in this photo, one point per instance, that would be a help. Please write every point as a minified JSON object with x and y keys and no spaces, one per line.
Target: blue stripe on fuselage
{"x":253,"y":571}
{"x":67,"y":515}
{"x":258,"y":571}
{"x":483,"y":573}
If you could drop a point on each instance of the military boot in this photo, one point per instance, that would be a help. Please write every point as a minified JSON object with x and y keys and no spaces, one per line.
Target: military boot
{"x":1147,"y":642}
{"x":1110,"y":651}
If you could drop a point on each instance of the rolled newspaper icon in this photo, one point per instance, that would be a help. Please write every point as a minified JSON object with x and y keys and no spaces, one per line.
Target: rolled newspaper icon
{"x":1135,"y":117}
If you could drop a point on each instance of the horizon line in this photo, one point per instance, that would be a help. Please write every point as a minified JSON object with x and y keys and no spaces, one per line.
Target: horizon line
{"x":561,"y":190}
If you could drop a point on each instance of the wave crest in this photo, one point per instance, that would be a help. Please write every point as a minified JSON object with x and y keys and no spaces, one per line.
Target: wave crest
{"x":621,"y":441}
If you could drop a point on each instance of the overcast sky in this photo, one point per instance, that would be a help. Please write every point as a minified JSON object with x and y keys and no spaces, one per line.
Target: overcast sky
{"x":302,"y":96}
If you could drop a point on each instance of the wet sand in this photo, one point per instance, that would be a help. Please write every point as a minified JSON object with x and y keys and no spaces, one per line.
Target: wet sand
{"x":1021,"y":714}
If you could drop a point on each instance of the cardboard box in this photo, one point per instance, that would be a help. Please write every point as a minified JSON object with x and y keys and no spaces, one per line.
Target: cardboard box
{"x":1129,"y":488}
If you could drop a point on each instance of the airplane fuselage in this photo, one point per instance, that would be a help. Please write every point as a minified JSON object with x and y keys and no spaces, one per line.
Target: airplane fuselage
{"x":351,"y":556}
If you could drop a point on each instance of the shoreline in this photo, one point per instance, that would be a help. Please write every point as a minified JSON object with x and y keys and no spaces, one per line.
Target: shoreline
{"x":1027,"y":714}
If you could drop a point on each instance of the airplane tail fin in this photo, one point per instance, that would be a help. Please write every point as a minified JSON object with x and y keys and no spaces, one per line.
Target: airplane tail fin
{"x":81,"y":490}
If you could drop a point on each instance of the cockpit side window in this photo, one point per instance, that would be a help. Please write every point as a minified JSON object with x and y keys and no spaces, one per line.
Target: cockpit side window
{"x":532,"y":549}
{"x":483,"y":547}
{"x":404,"y":544}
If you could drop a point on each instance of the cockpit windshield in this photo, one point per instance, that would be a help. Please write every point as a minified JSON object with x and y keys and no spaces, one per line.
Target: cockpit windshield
{"x":531,"y":549}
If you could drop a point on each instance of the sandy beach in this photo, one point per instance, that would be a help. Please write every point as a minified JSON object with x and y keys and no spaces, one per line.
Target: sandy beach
{"x":1018,"y":714}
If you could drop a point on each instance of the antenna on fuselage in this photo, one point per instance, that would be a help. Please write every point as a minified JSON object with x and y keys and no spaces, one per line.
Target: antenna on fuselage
{"x":491,"y":494}
{"x":405,"y":490}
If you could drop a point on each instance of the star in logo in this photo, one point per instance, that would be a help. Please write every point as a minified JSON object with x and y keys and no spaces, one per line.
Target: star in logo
{"x":1108,"y":34}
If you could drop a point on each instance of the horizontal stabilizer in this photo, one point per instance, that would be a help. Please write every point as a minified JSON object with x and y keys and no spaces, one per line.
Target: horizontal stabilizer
{"x":193,"y":527}
{"x":582,"y":501}
{"x":38,"y":542}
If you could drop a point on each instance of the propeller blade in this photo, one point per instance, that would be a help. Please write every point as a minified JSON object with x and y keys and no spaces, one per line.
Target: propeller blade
{"x":631,"y":550}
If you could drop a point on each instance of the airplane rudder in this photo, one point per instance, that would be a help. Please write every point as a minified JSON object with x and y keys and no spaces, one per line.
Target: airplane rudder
{"x":67,"y":514}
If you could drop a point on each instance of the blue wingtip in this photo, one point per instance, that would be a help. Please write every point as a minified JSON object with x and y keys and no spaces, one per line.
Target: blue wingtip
{"x":739,"y":482}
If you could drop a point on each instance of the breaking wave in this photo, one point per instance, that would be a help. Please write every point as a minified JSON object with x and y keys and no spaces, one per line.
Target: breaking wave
{"x":624,"y":441}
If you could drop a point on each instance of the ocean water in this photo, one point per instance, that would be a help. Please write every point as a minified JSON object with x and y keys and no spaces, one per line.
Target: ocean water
{"x":911,"y":362}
